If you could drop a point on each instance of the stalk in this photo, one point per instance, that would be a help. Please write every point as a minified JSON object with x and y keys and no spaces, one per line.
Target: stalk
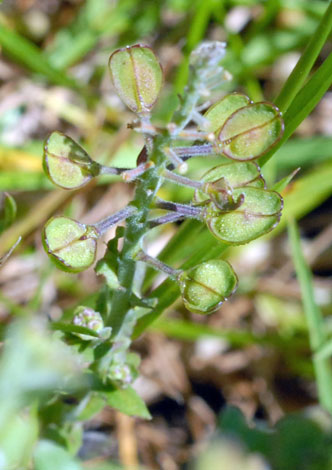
{"x":136,"y":227}
{"x":138,"y":224}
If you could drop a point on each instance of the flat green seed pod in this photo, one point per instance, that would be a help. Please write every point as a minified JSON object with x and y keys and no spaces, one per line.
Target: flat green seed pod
{"x":65,"y":162}
{"x":137,"y":77}
{"x":236,"y":175}
{"x":258,"y":214}
{"x":206,"y":286}
{"x":71,"y":245}
{"x":250,"y":131}
{"x":259,"y":201}
{"x":237,"y":229}
{"x":218,"y":113}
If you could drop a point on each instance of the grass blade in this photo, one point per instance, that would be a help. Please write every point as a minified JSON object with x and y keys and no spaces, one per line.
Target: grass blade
{"x":314,"y":319}
{"x":304,"y":102}
{"x":26,"y":53}
{"x":306,"y":61}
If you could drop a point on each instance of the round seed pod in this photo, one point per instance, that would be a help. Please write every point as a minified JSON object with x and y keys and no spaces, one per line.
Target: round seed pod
{"x":250,"y":132}
{"x":66,"y":163}
{"x":235,"y":175}
{"x":258,"y":213}
{"x":219,"y":112}
{"x":206,"y":286}
{"x":137,"y":77}
{"x":70,"y":244}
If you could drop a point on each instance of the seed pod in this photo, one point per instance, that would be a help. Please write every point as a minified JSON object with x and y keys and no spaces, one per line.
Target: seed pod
{"x":250,"y":131}
{"x":218,"y":113}
{"x":235,"y":174}
{"x":65,"y":162}
{"x":70,"y":244}
{"x":84,"y":316}
{"x":258,"y":213}
{"x":137,"y":77}
{"x":206,"y":286}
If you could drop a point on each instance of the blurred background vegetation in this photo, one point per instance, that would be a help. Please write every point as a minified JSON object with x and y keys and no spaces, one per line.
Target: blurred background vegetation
{"x":254,"y":352}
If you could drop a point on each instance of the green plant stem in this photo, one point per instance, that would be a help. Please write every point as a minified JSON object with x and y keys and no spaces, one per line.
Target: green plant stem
{"x":138,"y":224}
{"x":136,"y":227}
{"x":315,"y":321}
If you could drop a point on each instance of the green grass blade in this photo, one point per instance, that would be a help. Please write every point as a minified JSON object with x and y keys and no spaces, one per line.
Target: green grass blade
{"x":325,"y":352}
{"x":284,"y":182}
{"x":306,"y":61}
{"x":314,"y":319}
{"x":305,"y":194}
{"x":29,"y":55}
{"x":303,"y":152}
{"x":304,"y":102}
{"x":189,"y":331}
{"x":310,"y":95}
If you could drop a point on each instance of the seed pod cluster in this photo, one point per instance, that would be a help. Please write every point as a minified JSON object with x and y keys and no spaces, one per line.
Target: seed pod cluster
{"x":239,"y":208}
{"x":232,"y":197}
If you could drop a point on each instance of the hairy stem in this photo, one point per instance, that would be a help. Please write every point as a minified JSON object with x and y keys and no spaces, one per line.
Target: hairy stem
{"x":194,"y":151}
{"x":136,"y":227}
{"x":113,"y":219}
{"x":165,"y":219}
{"x":183,"y":209}
{"x":159,"y":265}
{"x":138,"y":224}
{"x":175,"y":178}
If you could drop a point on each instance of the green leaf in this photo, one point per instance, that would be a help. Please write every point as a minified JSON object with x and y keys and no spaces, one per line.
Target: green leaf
{"x":104,"y":268}
{"x":18,"y":437}
{"x":74,"y":329}
{"x":128,"y":402}
{"x":91,"y":405}
{"x":50,"y":456}
{"x":137,"y":77}
{"x":108,"y":266}
{"x":250,"y":131}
